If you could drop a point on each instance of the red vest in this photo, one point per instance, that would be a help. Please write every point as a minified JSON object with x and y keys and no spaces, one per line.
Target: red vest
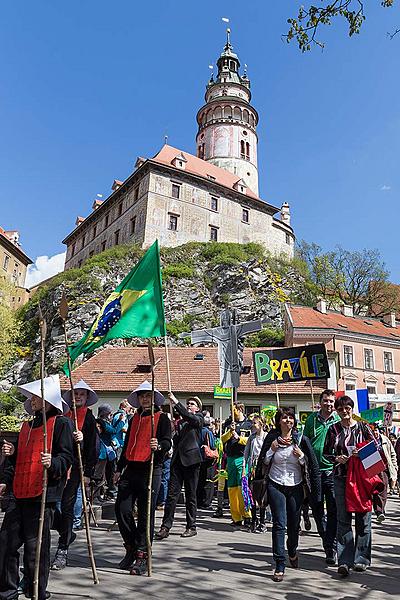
{"x":138,"y":448}
{"x":28,"y":478}
{"x":80,"y":416}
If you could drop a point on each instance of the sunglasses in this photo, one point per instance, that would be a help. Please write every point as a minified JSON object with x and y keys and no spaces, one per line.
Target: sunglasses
{"x":191,"y":403}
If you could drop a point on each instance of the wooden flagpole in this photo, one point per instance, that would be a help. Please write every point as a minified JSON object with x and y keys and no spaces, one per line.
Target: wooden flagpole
{"x":64,"y":316}
{"x":150,"y":482}
{"x":277,"y":395}
{"x":43,"y":330}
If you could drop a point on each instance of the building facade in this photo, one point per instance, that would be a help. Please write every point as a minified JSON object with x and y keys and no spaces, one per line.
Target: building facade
{"x":14,"y":263}
{"x":364,"y":351}
{"x":177,"y":197}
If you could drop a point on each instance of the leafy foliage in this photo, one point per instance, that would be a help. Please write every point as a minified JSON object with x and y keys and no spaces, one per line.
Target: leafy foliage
{"x":305,"y":26}
{"x":268,"y":336}
{"x":8,"y":402}
{"x":9,"y":423}
{"x":226,"y":253}
{"x":177,"y":271}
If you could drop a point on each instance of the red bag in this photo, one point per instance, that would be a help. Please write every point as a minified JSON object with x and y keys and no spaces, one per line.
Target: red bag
{"x":359,"y":487}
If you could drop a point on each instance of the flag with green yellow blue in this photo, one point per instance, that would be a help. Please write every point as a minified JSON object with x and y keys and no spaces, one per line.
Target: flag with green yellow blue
{"x":134,"y":309}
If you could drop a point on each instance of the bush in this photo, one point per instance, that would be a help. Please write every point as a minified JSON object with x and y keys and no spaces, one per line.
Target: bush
{"x":177,"y":271}
{"x":268,"y":336}
{"x":227,"y":253}
{"x":10,"y":423}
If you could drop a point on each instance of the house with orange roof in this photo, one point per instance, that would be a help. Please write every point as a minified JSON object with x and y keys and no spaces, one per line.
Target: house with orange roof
{"x":177,"y":197}
{"x":115,"y":371}
{"x":364,"y":352}
{"x":13,"y":265}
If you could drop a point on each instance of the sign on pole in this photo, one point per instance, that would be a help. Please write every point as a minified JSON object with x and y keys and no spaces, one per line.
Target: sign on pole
{"x":222,"y":393}
{"x":372,"y":415}
{"x":303,"y":414}
{"x":282,"y":365}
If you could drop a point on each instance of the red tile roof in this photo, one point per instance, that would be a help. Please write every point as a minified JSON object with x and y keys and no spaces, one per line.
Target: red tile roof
{"x":304,"y":317}
{"x":200,"y":167}
{"x":115,"y":369}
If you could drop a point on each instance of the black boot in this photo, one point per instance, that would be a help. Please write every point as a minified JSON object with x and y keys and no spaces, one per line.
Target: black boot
{"x":129,"y":558}
{"x":140,"y":564}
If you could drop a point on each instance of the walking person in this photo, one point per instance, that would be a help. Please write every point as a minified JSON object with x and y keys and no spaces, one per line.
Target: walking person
{"x":205,"y":486}
{"x":388,"y":476}
{"x":133,"y":472}
{"x":290,"y":466}
{"x":106,"y":465}
{"x":23,"y":474}
{"x":251,"y":454}
{"x":85,"y":435}
{"x":341,"y":443}
{"x":185,"y":465}
{"x":316,"y":428}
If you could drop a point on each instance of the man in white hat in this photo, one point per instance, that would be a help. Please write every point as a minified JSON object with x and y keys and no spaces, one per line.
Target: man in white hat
{"x":23,"y":475}
{"x":86,"y":436}
{"x":133,"y":472}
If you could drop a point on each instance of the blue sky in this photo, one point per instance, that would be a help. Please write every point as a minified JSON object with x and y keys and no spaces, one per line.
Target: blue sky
{"x":88,"y":86}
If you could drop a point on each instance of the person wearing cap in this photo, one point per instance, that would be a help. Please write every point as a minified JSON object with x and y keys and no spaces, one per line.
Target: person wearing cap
{"x":133,"y":471}
{"x":106,"y":465}
{"x":23,"y":474}
{"x":185,"y":465}
{"x":85,"y":435}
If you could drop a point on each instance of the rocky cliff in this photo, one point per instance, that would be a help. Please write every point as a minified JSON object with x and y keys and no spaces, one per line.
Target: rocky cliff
{"x":199,"y":280}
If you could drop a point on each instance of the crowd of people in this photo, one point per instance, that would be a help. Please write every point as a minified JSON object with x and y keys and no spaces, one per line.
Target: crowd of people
{"x":273,"y":472}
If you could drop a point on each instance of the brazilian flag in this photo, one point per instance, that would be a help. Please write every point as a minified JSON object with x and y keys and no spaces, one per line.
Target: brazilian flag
{"x":134,"y":309}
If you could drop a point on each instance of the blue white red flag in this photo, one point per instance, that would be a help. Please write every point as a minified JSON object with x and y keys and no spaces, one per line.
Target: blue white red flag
{"x":371,"y":459}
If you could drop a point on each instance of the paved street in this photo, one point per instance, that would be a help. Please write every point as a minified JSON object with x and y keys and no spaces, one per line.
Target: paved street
{"x":221,"y":563}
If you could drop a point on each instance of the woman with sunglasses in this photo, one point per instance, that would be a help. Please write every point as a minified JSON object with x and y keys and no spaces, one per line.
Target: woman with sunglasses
{"x":341,"y":443}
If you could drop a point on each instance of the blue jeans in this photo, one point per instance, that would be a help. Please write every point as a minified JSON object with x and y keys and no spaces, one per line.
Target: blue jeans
{"x":78,"y":507}
{"x":326,"y":522}
{"x":166,"y":471}
{"x":351,"y":552}
{"x":285,"y":502}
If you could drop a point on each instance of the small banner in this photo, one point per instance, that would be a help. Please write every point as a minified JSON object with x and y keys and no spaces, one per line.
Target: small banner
{"x":281,"y":365}
{"x":372,"y":415}
{"x":303,"y":414}
{"x":222,"y":393}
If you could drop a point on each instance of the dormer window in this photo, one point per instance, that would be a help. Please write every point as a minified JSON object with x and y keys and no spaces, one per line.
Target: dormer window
{"x":240,"y":186}
{"x":211,"y":177}
{"x":180,"y":161}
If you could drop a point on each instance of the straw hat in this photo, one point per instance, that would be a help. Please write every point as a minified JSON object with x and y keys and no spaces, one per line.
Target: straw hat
{"x":52,"y":392}
{"x":145,"y":387}
{"x":82,"y":385}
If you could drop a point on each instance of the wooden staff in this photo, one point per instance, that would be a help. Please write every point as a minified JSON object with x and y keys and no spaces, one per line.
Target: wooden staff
{"x":64,"y":315}
{"x":312,"y":395}
{"x":233,"y":400}
{"x":150,"y":483}
{"x":171,"y":410}
{"x":277,"y":395}
{"x":43,"y":330}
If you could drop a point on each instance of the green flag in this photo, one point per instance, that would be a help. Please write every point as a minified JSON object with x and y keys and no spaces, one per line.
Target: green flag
{"x":134,"y":309}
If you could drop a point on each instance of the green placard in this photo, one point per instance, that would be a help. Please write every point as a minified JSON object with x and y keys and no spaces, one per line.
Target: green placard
{"x":373,"y":414}
{"x":222,"y":392}
{"x":303,"y":414}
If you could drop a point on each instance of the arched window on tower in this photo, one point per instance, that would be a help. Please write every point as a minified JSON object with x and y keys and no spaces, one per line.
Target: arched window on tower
{"x":217,"y":113}
{"x":200,"y":152}
{"x":237,"y":114}
{"x":247,"y":151}
{"x":252,"y":122}
{"x":232,"y":65}
{"x":228,"y":112}
{"x":246,"y":116}
{"x":242,"y":150}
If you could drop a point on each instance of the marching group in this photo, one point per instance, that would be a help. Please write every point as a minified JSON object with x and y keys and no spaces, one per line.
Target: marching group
{"x":271,"y":473}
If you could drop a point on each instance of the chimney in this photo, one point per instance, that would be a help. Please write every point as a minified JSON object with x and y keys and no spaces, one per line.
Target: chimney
{"x":347,"y":310}
{"x":139,"y":162}
{"x":285,"y":216}
{"x":390,"y":319}
{"x":79,"y":220}
{"x":116,"y":184}
{"x":321,"y":306}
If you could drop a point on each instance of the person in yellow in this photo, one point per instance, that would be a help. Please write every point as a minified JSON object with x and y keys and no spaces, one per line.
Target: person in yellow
{"x":234,"y":439}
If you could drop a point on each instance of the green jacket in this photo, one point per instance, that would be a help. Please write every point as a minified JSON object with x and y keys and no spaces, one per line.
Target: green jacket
{"x":316,"y":429}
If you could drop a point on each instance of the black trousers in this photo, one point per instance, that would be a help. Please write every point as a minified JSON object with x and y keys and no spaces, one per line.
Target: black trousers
{"x":20,"y":527}
{"x":189,"y":477}
{"x":64,"y":520}
{"x":205,"y":486}
{"x":133,"y":488}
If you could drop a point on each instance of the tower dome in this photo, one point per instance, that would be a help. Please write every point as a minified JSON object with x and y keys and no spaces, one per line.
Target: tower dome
{"x":227,"y":122}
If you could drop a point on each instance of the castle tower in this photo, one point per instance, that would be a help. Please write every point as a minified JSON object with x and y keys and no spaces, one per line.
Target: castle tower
{"x":227,"y":122}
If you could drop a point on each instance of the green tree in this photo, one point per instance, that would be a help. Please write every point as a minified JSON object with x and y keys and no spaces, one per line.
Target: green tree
{"x":9,"y":326}
{"x":305,"y":27}
{"x":357,"y":278}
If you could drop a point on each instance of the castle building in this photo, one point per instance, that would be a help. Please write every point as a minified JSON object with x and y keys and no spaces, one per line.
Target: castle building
{"x":178,"y":197}
{"x":14,"y":263}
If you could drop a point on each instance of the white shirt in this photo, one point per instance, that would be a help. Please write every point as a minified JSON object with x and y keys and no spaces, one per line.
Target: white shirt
{"x":285,"y":467}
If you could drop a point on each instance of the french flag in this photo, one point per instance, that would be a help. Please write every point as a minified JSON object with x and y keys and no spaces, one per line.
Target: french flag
{"x":371,"y":459}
